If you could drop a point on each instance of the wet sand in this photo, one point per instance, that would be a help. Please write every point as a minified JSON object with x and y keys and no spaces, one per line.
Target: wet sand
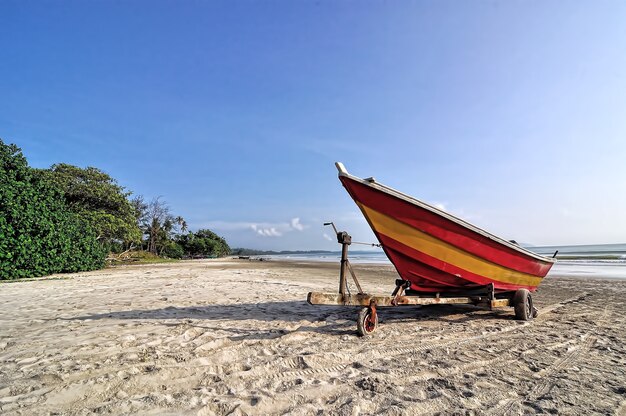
{"x":237,"y":337}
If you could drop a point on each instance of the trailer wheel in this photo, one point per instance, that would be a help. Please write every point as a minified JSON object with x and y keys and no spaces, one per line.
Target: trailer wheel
{"x":367,"y":322}
{"x":523,"y":304}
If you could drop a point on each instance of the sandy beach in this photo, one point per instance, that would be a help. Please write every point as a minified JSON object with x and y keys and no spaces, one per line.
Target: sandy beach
{"x":216,"y":337}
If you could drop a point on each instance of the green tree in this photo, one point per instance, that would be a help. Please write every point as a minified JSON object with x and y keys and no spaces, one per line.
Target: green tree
{"x":38,"y":234}
{"x":96,"y":197}
{"x":181,"y":223}
{"x":219,"y":246}
{"x":203,"y":243}
{"x":173,"y":250}
{"x":159,"y":226}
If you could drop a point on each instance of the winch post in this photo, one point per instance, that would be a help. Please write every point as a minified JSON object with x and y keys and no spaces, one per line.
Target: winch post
{"x":345,"y":240}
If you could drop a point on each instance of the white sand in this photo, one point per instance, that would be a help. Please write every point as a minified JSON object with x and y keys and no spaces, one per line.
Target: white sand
{"x":237,"y":337}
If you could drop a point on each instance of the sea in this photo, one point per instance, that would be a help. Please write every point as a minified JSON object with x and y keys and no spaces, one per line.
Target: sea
{"x":584,"y":261}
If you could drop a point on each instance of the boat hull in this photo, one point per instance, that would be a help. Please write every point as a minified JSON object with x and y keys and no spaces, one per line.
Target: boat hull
{"x":438,"y":252}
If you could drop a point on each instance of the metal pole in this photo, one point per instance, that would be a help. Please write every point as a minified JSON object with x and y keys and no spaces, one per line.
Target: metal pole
{"x":345,"y":240}
{"x":343,"y":284}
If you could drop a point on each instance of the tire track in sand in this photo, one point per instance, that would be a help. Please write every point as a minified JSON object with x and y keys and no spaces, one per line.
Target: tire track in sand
{"x":279,"y":369}
{"x":545,"y":375}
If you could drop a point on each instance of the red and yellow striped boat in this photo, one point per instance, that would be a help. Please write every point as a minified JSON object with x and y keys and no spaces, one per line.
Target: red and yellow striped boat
{"x":438,"y":252}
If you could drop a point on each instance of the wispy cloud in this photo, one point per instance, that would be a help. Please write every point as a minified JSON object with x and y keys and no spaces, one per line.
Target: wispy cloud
{"x":262,"y":229}
{"x":296,"y":224}
{"x":326,"y":236}
{"x":266,"y":232}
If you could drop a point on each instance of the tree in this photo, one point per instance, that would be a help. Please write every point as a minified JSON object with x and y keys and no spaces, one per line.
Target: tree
{"x":203,"y":243}
{"x":39,"y":235}
{"x":157,"y":216}
{"x":219,"y":246}
{"x":140,"y":209}
{"x":159,"y":226}
{"x":96,"y":197}
{"x":182,"y":223}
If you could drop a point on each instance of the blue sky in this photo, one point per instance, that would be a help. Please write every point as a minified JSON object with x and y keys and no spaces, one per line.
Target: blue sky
{"x":510,"y":114}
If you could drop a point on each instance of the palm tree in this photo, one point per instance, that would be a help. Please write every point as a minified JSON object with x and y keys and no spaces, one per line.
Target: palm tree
{"x":183,"y":224}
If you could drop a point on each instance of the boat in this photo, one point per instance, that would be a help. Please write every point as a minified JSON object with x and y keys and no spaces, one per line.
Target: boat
{"x":441,"y":259}
{"x":437,"y":252}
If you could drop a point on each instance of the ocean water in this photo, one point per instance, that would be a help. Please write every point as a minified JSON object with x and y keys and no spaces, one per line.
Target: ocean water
{"x":587,"y":269}
{"x":585,"y":261}
{"x":586,"y":251}
{"x":589,"y":261}
{"x":375,"y":257}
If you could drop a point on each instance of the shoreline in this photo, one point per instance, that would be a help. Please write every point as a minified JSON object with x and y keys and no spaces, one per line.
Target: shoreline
{"x":329,"y":265}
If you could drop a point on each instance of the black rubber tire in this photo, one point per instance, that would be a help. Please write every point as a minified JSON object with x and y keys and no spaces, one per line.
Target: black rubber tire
{"x":365,"y":324}
{"x":523,"y":304}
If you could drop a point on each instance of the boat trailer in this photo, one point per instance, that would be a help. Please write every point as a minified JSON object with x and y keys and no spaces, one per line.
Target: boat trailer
{"x":367,"y":320}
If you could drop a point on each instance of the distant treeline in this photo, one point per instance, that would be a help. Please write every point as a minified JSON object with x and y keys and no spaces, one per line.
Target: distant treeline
{"x":68,"y":219}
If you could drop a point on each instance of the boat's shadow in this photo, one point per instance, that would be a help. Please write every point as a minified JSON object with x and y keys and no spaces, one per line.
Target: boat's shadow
{"x":336,"y":320}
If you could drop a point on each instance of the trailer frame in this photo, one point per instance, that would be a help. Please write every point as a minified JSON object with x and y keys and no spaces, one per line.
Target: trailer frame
{"x":367,"y":320}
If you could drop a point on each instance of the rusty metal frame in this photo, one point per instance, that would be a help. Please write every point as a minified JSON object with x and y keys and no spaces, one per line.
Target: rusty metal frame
{"x":482,"y":296}
{"x":397,"y":298}
{"x":356,"y":281}
{"x":362,"y":299}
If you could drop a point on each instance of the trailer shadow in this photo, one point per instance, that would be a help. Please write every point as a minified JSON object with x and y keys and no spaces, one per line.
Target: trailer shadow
{"x":450,"y":313}
{"x":288,"y":311}
{"x":335,"y":320}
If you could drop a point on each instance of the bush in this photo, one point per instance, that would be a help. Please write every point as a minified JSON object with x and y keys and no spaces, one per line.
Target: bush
{"x":38,"y":234}
{"x":173,"y":250}
{"x":97,"y":198}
